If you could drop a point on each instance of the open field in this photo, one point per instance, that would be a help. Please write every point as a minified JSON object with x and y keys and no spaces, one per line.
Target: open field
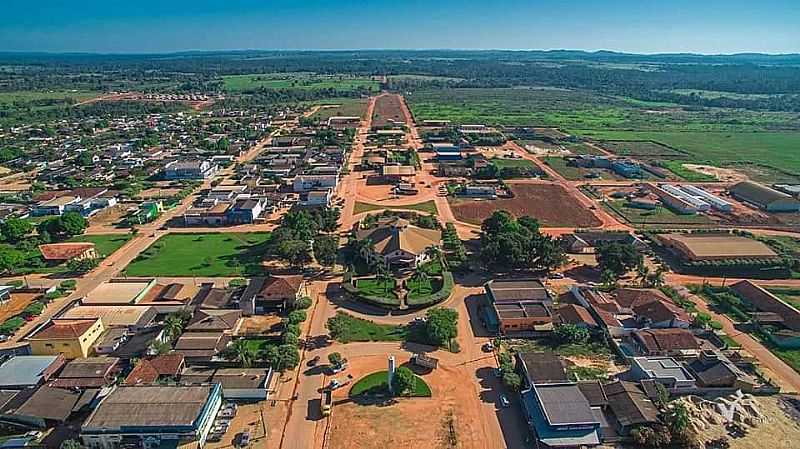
{"x":511,"y":163}
{"x":428,"y":207}
{"x":346,"y":107}
{"x":559,"y":164}
{"x":210,"y":255}
{"x":678,"y":169}
{"x":545,"y":202}
{"x":642,"y":149}
{"x":346,"y":328}
{"x":105,"y":244}
{"x":659,"y":216}
{"x":240,"y":83}
{"x":775,"y":149}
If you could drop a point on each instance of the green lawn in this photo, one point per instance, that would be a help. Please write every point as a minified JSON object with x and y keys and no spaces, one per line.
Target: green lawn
{"x":239,"y":83}
{"x":346,"y":328}
{"x":730,"y":341}
{"x":419,"y":289}
{"x":378,"y":384}
{"x":432,"y":268}
{"x":374,"y":287}
{"x":427,"y":207}
{"x":511,"y":163}
{"x":559,"y":164}
{"x":105,"y":244}
{"x":790,"y":356}
{"x":686,"y":174}
{"x":40,"y":96}
{"x":208,"y":255}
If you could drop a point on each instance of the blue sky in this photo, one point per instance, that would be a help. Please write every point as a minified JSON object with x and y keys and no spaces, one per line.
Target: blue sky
{"x":642,"y":26}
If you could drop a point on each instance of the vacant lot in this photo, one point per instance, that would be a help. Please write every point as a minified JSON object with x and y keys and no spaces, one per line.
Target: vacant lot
{"x":641,"y":149}
{"x":388,"y":110}
{"x":551,"y":204}
{"x":346,"y":107}
{"x":774,"y":149}
{"x":660,"y":216}
{"x":211,"y":255}
{"x":239,"y":83}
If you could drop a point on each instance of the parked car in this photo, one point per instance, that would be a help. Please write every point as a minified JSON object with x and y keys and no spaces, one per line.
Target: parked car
{"x":488,"y":347}
{"x":504,"y":401}
{"x":243,"y":439}
{"x":334,"y":384}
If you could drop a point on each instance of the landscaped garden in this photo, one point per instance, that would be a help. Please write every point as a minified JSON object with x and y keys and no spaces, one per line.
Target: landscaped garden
{"x":377,"y":287}
{"x":210,"y":254}
{"x":377,"y":384}
{"x":428,"y":207}
{"x":347,"y":328}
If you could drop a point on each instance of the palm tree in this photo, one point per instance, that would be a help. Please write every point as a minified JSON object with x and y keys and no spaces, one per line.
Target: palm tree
{"x":382,"y":275}
{"x":642,"y":273}
{"x":173,"y":325}
{"x":243,"y":353}
{"x":420,"y":277}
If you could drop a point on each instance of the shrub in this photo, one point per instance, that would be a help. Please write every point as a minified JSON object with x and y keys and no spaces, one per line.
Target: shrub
{"x":69,"y":284}
{"x":303,"y":303}
{"x":297,"y":316}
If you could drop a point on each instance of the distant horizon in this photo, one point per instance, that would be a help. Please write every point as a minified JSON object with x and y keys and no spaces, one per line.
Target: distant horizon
{"x":710,"y":27}
{"x":377,"y":49}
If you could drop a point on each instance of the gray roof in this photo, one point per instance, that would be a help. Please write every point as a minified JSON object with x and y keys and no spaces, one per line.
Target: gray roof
{"x":663,"y":368}
{"x":564,"y":404}
{"x":502,"y":290}
{"x":50,"y":403}
{"x":758,"y":194}
{"x":543,"y":367}
{"x":149,"y":406}
{"x":25,"y":370}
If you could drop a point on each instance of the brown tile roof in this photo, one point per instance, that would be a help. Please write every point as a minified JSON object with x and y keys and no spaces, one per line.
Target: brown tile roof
{"x":632,"y":297}
{"x":658,"y":311}
{"x":64,"y":251}
{"x":211,"y":320}
{"x":575,"y":314}
{"x":281,"y":286}
{"x":629,"y":404}
{"x":64,"y":329}
{"x":147,"y":371}
{"x":399,"y":235}
{"x":658,"y":340}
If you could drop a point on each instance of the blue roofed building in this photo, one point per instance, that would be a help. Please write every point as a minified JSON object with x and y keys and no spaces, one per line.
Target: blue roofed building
{"x":29,"y":371}
{"x":627,"y":169}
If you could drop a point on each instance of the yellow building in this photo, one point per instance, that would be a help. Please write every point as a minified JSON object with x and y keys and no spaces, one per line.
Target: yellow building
{"x":72,"y":337}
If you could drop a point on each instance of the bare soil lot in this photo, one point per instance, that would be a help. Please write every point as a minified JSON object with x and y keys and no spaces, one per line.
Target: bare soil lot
{"x":781,"y":431}
{"x":388,"y":110}
{"x":551,"y":204}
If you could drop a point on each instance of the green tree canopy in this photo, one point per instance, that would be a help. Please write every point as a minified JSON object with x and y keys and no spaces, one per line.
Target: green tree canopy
{"x":441,"y":326}
{"x":404,"y":381}
{"x":617,"y":257}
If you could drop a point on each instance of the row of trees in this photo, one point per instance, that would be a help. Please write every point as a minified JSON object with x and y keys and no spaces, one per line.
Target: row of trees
{"x":509,"y":243}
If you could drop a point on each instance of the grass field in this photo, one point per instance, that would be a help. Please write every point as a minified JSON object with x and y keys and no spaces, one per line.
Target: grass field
{"x":659,"y":216}
{"x":775,"y":149}
{"x":43,"y":97}
{"x":346,"y":107}
{"x":418,"y":289}
{"x":559,"y":164}
{"x":241,"y":83}
{"x":684,"y":173}
{"x":374,"y":287}
{"x":378,"y":384}
{"x":105,"y":244}
{"x":716,"y":136}
{"x":208,"y":255}
{"x":428,"y":207}
{"x":347,"y":328}
{"x":511,"y":163}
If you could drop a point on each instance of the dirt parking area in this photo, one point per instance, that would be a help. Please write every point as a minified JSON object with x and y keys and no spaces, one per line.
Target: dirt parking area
{"x":551,"y":204}
{"x":445,"y":420}
{"x":248,"y":419}
{"x":16,"y":304}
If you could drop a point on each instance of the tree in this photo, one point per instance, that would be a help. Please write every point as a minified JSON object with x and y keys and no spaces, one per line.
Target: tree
{"x":618,"y":258}
{"x":243,"y":353}
{"x":10,"y":259}
{"x":404,"y":381}
{"x":512,"y":381}
{"x":651,"y":436}
{"x":677,"y":418}
{"x":571,"y":334}
{"x":295,"y":252}
{"x":161,"y":347}
{"x":325,"y":250}
{"x":71,"y":444}
{"x":68,"y":225}
{"x":83,"y":265}
{"x":420,"y":277}
{"x":173,"y":325}
{"x":283,"y":357}
{"x":302,"y":303}
{"x":297,"y":316}
{"x":441,"y":326}
{"x":15,"y":229}
{"x":608,"y":278}
{"x":335,"y":359}
{"x":643,"y":275}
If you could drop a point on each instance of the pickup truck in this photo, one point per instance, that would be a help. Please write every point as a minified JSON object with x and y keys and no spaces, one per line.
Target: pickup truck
{"x":326,"y":401}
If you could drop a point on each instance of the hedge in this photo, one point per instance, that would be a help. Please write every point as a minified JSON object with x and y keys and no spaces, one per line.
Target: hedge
{"x":441,"y":295}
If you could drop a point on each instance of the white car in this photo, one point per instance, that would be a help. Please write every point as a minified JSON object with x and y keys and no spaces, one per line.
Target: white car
{"x":504,"y":402}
